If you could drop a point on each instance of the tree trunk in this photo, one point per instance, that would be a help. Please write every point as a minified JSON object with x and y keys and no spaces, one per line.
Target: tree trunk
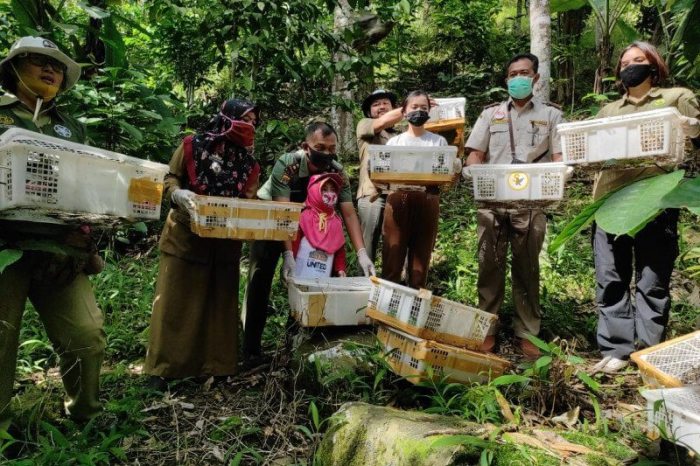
{"x":517,"y":23}
{"x":342,"y":119}
{"x":571,"y":25}
{"x":540,"y":44}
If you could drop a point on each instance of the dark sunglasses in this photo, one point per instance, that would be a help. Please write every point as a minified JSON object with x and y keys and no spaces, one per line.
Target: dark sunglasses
{"x":43,"y":60}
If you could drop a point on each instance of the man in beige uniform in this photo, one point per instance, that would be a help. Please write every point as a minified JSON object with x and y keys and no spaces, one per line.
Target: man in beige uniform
{"x":381,"y":115}
{"x":519,"y":130}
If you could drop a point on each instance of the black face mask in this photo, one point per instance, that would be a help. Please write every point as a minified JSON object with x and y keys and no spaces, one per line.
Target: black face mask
{"x":321,"y":160}
{"x":417,"y":117}
{"x":634,"y":75}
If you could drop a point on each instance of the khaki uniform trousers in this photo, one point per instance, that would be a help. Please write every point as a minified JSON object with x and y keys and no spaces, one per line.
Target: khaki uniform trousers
{"x":409,"y":232}
{"x":524,"y":230}
{"x":73,"y":323}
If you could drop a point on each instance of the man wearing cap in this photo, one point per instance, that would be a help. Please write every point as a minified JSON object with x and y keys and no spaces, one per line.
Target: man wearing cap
{"x":519,"y":130}
{"x":32,"y":74}
{"x":288,"y":182}
{"x":377,"y":127}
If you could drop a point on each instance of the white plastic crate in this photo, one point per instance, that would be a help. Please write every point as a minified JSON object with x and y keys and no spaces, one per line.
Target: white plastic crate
{"x":411,"y":357}
{"x":455,"y":324}
{"x":673,"y":363}
{"x":329,"y":301}
{"x":245,"y":219}
{"x":451,"y":108}
{"x":399,"y":306}
{"x":655,"y":133}
{"x":48,"y":179}
{"x":412,"y":165}
{"x":677,"y":410}
{"x":518,"y":182}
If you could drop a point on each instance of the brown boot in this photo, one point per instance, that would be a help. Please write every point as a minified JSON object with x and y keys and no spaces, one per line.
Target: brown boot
{"x":489,"y":344}
{"x":530,"y":351}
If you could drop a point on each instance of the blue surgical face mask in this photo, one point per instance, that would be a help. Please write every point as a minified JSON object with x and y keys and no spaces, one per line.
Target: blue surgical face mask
{"x":520,"y":87}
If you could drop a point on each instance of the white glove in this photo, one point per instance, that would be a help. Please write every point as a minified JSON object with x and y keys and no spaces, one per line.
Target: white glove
{"x":690,"y":126}
{"x":289,"y":265}
{"x":185,"y":199}
{"x":457,"y":166}
{"x":366,"y":263}
{"x":569,"y":173}
{"x":466,"y":174}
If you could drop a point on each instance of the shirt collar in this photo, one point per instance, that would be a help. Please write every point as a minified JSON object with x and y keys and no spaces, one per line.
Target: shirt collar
{"x":532,"y":103}
{"x":303,"y":165}
{"x":653,"y":93}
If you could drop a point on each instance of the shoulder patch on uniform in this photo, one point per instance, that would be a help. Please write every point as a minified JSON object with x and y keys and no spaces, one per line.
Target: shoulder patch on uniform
{"x":290,"y":171}
{"x":552,"y":104}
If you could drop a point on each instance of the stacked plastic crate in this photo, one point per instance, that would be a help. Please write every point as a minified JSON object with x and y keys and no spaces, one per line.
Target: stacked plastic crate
{"x":672,"y":371}
{"x":425,"y":335}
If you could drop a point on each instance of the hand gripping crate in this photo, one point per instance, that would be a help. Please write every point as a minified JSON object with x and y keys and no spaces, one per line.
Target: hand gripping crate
{"x":677,"y":411}
{"x":399,"y":306}
{"x":455,"y":324}
{"x":47,"y":179}
{"x":448,"y":111}
{"x":329,"y":301}
{"x":411,"y":164}
{"x":245,"y":219}
{"x":523,"y":183}
{"x":673,"y":363}
{"x":411,"y":356}
{"x":656,"y":133}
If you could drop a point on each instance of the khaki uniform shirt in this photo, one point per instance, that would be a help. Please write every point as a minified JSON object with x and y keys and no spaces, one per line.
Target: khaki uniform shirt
{"x":365,"y":137}
{"x":290,"y":179}
{"x":51,"y":122}
{"x":534,"y":132}
{"x":683,"y":99}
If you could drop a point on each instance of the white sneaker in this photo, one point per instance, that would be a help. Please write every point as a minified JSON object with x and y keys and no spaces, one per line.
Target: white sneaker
{"x":610,"y":365}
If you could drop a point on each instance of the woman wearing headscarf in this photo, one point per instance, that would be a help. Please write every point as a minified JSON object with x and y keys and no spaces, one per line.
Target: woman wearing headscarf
{"x":194,"y":325}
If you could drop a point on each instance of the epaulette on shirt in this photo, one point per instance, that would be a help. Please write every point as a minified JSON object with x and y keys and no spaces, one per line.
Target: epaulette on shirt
{"x":493,"y":105}
{"x":552,"y":104}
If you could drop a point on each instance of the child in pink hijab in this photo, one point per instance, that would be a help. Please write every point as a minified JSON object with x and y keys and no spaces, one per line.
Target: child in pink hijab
{"x":319,"y":249}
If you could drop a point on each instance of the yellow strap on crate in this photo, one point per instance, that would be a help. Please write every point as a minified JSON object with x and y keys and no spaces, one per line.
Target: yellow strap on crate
{"x":411,"y":178}
{"x":251,"y":214}
{"x":317,"y":304}
{"x":145,"y":190}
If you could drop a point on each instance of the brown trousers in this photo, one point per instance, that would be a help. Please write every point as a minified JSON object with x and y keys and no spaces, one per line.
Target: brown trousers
{"x":409,"y":229}
{"x":524,"y":229}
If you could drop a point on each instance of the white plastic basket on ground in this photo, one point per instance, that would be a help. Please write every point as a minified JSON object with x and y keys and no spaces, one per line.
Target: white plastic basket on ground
{"x":518,"y":182}
{"x":676,"y":412}
{"x":245,"y":219}
{"x":414,"y":358}
{"x":322,"y":302}
{"x":47,"y":179}
{"x":448,"y":108}
{"x":656,"y":133}
{"x":673,"y":363}
{"x":421,"y":314}
{"x":412,"y":165}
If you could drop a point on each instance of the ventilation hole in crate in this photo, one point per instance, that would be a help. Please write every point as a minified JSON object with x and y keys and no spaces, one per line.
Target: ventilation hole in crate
{"x":435,"y":317}
{"x":41,"y":181}
{"x":439,"y":354}
{"x":374,"y":296}
{"x":213,"y":221}
{"x":8,"y":183}
{"x":415,"y":310}
{"x":49,"y":145}
{"x":480,"y":327}
{"x":143,"y":208}
{"x":382,"y":162}
{"x":551,"y":184}
{"x":651,"y":136}
{"x":394,"y":303}
{"x":439,"y":164}
{"x":576,"y":146}
{"x":678,"y":360}
{"x":485,"y":186}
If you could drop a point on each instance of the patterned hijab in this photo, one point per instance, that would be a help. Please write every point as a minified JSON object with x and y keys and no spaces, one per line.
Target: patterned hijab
{"x":216,"y":165}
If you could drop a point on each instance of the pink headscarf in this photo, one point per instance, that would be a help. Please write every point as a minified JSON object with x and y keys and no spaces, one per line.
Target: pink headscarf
{"x":319,"y":222}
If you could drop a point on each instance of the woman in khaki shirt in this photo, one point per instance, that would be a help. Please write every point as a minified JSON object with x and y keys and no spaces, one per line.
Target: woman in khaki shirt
{"x":651,"y":253}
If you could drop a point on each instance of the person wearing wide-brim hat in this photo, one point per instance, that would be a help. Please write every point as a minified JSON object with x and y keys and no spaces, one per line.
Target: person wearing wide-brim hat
{"x":381,"y":114}
{"x":32,"y":74}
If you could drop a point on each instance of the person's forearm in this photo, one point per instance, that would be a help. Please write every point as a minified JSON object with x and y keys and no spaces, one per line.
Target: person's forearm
{"x":557,"y":157}
{"x":476,"y":157}
{"x":387,"y":120}
{"x":352,"y":224}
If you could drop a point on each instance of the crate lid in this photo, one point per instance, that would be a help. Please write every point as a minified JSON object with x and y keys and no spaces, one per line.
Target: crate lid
{"x":335,"y":283}
{"x":519,"y":167}
{"x":411,"y":150}
{"x":21,"y":136}
{"x":670,"y":113}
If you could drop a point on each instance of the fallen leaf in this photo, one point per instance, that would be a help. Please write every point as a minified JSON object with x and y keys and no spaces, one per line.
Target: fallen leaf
{"x":569,"y":418}
{"x":185,"y":405}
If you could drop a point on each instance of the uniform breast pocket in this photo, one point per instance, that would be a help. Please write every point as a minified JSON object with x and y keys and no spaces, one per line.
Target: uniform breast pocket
{"x":498,"y":134}
{"x":538,"y":134}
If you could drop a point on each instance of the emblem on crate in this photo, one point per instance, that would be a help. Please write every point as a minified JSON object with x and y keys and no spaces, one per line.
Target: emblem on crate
{"x":62,"y":131}
{"x":518,"y":180}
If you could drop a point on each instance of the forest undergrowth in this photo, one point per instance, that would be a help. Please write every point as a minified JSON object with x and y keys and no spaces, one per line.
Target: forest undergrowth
{"x":277,"y":413}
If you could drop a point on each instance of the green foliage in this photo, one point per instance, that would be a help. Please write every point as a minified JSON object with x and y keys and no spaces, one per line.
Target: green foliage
{"x":9,"y":257}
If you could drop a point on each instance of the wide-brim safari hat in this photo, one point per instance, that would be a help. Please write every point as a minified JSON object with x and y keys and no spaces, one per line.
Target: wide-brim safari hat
{"x":43,"y":46}
{"x":376,"y":95}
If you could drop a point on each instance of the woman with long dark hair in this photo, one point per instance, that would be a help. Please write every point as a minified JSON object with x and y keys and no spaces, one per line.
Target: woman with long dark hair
{"x":194,"y":325}
{"x":651,"y":253}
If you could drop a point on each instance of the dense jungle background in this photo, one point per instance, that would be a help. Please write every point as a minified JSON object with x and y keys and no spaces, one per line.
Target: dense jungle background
{"x":156,"y":70}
